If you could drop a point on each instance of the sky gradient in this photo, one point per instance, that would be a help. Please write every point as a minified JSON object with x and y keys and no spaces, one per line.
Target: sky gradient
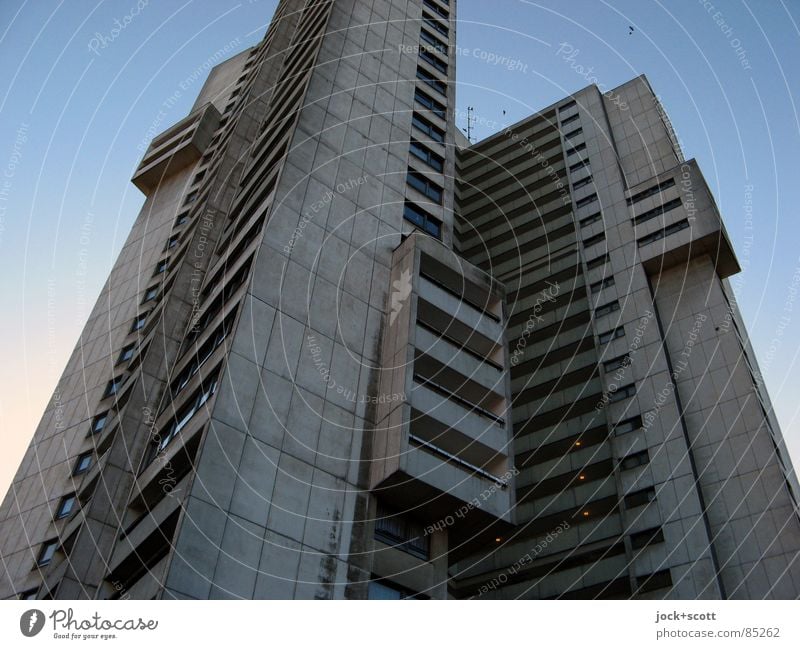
{"x":86,"y":84}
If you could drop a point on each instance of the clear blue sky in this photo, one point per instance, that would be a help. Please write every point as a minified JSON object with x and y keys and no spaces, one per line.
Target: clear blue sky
{"x":79,"y":95}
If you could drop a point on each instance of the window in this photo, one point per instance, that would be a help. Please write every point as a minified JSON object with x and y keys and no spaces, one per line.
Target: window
{"x":172,"y":242}
{"x":191,"y":197}
{"x":660,"y":234}
{"x":402,"y":533}
{"x":83,"y":463}
{"x":126,"y":354}
{"x":600,"y":311}
{"x":624,"y":392}
{"x":594,"y":218}
{"x":582,"y":182}
{"x":433,"y":82}
{"x":46,"y":553}
{"x":616,"y":363}
{"x":603,"y":283}
{"x":436,"y":9}
{"x":150,"y":294}
{"x":161,"y":266}
{"x":28,"y":594}
{"x":654,"y":581}
{"x":186,"y":413}
{"x":434,"y":24}
{"x":569,"y":120}
{"x":422,"y":219}
{"x":628,"y":425}
{"x":597,"y":238}
{"x":575,"y":149}
{"x":433,"y":61}
{"x":608,"y":336}
{"x":598,"y":261}
{"x":66,"y":506}
{"x":588,"y":200}
{"x":432,"y":159}
{"x":639,"y":498}
{"x":434,"y":132}
{"x":434,"y":42}
{"x":200,"y":174}
{"x":577,"y":131}
{"x":647,"y":537}
{"x":181,"y":218}
{"x":431,"y":104}
{"x":98,"y":423}
{"x":566,"y":107}
{"x":202,"y":355}
{"x":113,"y":387}
{"x":658,"y":211}
{"x":382,"y":589}
{"x":138,"y":322}
{"x":670,"y":182}
{"x":424,"y":185}
{"x":579,"y":165}
{"x":635,"y":459}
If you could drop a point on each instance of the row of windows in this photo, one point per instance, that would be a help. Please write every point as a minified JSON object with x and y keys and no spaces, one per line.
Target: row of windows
{"x":437,"y":108}
{"x":592,"y":218}
{"x":658,"y":211}
{"x":437,"y":84}
{"x":664,"y":232}
{"x":425,"y":186}
{"x":582,"y":182}
{"x":588,"y":200}
{"x":594,"y":239}
{"x":426,"y":222}
{"x":651,"y":191}
{"x":434,"y":132}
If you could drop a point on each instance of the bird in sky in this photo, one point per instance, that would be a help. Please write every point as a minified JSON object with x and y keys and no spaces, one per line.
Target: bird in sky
{"x":631,"y":30}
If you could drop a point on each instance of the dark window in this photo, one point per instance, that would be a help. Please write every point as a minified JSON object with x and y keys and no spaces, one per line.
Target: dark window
{"x":113,"y":387}
{"x":181,"y":218}
{"x":138,"y":322}
{"x":597,"y":238}
{"x":570,"y":120}
{"x":150,"y":294}
{"x":425,"y":186}
{"x":588,"y":200}
{"x":402,"y":533}
{"x":432,"y":159}
{"x":670,"y":182}
{"x":185,"y":414}
{"x":161,"y":266}
{"x":387,"y":590}
{"x":594,"y":218}
{"x":46,"y":553}
{"x":83,"y":463}
{"x":200,"y":174}
{"x":577,"y":131}
{"x":635,"y":459}
{"x":608,"y":336}
{"x":606,"y":309}
{"x":597,"y":261}
{"x":422,"y":219}
{"x":658,"y":211}
{"x":191,"y":197}
{"x":647,"y":537}
{"x":433,"y":61}
{"x":66,"y":506}
{"x":438,"y":85}
{"x":616,"y":363}
{"x":436,"y":8}
{"x":433,"y":132}
{"x":579,"y":165}
{"x":98,"y":423}
{"x":660,"y":234}
{"x":640,"y":497}
{"x":566,"y":106}
{"x":172,"y":242}
{"x":431,"y":22}
{"x":127,"y":353}
{"x":431,"y":104}
{"x":202,"y":355}
{"x":434,"y":42}
{"x":603,"y":283}
{"x":582,"y":182}
{"x":654,"y":581}
{"x":628,"y":425}
{"x":575,"y":149}
{"x":28,"y":594}
{"x":624,"y":392}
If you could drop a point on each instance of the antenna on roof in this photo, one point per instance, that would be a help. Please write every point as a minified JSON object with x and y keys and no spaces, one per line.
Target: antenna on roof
{"x":470,"y":121}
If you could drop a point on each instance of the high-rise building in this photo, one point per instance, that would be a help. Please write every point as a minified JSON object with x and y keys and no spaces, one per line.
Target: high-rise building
{"x":345,"y":353}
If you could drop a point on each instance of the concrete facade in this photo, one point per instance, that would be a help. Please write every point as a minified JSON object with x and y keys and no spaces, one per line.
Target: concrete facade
{"x":346,"y":354}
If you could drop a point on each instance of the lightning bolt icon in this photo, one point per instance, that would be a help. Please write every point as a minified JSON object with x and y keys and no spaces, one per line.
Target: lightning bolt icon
{"x":32,"y":620}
